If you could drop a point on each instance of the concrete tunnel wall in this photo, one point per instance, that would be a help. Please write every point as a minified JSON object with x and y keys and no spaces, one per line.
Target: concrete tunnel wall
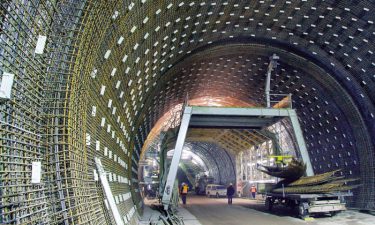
{"x":110,"y":69}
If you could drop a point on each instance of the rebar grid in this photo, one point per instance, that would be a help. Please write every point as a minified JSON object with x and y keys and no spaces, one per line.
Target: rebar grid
{"x":49,"y":117}
{"x":21,"y":118}
{"x":45,"y":120}
{"x":77,"y":199}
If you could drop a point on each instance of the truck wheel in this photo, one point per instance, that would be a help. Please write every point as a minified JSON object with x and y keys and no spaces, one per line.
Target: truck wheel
{"x":217,"y":195}
{"x":334,"y":213}
{"x":269,"y":204}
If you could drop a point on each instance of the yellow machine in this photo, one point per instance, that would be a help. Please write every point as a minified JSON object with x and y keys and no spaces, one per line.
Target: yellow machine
{"x":282,"y":159}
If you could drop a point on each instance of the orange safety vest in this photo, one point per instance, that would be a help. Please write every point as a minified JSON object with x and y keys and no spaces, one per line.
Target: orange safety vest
{"x":253,"y":189}
{"x":185,"y":189}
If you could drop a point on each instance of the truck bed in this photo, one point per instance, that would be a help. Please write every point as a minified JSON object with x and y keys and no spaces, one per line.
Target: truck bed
{"x":309,"y":196}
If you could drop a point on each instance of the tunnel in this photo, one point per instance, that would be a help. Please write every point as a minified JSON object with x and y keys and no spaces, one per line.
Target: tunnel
{"x":86,"y":79}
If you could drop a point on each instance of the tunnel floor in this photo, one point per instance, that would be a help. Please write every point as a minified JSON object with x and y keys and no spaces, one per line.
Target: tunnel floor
{"x":212,"y":211}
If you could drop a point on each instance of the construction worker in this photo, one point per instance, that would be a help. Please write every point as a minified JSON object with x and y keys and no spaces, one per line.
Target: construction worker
{"x":183,"y":192}
{"x":230,"y":193}
{"x":253,"y":190}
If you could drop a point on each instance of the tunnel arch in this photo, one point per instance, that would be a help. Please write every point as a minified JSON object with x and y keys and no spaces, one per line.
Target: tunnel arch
{"x":88,"y":41}
{"x":344,"y":107}
{"x":219,"y":158}
{"x":218,"y":162}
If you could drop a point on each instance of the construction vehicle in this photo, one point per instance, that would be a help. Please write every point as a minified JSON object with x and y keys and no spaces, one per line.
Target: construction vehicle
{"x":281,"y":159}
{"x":309,"y":204}
{"x":318,"y":194}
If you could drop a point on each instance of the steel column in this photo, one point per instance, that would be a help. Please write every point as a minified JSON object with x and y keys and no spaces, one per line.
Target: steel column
{"x":272,"y":65}
{"x":301,"y":142}
{"x":176,"y":157}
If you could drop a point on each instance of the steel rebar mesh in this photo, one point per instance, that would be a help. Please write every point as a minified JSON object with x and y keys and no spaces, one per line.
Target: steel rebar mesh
{"x":49,"y":117}
{"x":21,"y":117}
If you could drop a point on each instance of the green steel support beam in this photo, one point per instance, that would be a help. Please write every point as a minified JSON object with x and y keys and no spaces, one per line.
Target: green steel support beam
{"x":260,"y":116}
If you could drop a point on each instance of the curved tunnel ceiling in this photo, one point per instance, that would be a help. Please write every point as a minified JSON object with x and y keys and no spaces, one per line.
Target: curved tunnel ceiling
{"x":220,"y":163}
{"x":329,"y":116}
{"x":214,"y":161}
{"x":110,"y":70}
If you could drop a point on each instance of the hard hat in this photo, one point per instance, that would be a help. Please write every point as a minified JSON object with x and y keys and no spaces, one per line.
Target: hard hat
{"x":230,"y":184}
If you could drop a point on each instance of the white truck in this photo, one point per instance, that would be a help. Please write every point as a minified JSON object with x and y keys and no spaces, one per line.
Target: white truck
{"x":216,"y":190}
